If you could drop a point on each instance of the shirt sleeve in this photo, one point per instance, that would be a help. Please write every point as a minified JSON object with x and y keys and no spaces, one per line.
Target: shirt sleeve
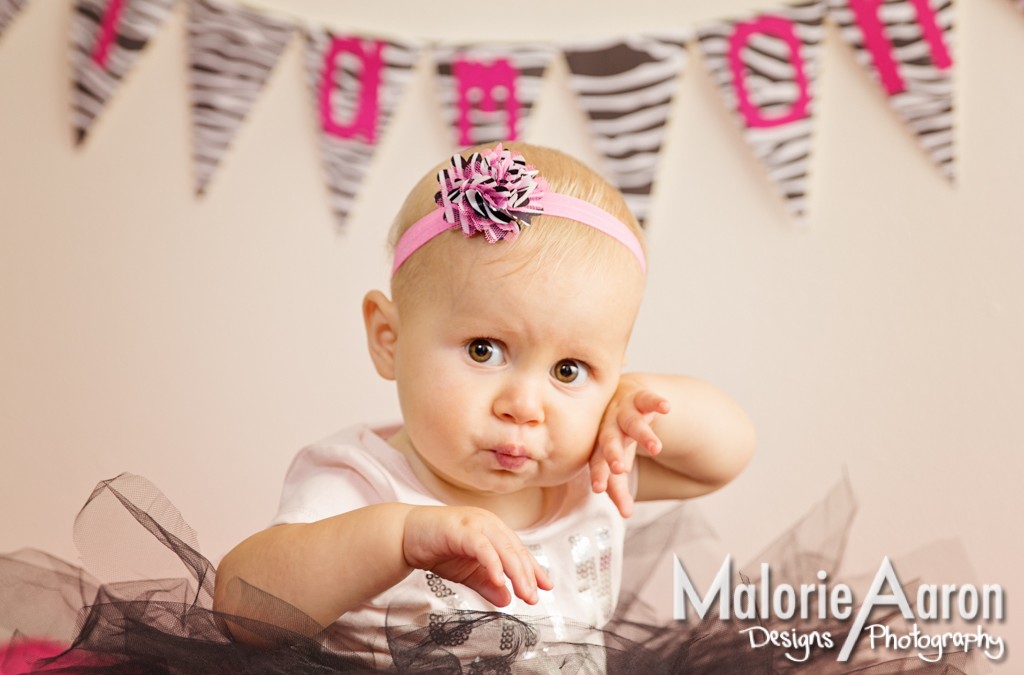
{"x":325,"y":481}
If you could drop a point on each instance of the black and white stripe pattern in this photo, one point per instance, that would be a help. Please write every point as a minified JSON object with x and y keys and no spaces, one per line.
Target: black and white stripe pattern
{"x":94,"y":86}
{"x":926,"y":103}
{"x":489,"y":126}
{"x":231,"y":54}
{"x":8,"y":10}
{"x":626,"y":88}
{"x":490,"y":192}
{"x":347,"y":160}
{"x":770,"y":81}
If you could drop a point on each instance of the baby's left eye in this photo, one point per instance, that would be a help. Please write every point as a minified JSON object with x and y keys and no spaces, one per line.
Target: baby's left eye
{"x":570,"y":371}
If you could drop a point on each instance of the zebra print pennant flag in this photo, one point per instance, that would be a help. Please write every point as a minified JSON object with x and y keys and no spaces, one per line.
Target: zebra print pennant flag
{"x":357,"y":83}
{"x":231,"y":54}
{"x":906,"y":44}
{"x":107,"y":37}
{"x":8,"y":10}
{"x":766,"y":67}
{"x":488,"y":92}
{"x":626,"y":89}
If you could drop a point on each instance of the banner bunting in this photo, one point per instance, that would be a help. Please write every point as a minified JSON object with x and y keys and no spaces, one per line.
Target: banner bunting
{"x":356,"y":84}
{"x":488,"y":92}
{"x":107,"y":37}
{"x":907,"y":45}
{"x":766,"y":67}
{"x":626,"y":88}
{"x":8,"y":11}
{"x":232,"y":52}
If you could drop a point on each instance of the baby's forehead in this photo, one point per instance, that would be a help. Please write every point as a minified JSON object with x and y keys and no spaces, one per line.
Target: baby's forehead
{"x":532,"y":262}
{"x":564,"y":293}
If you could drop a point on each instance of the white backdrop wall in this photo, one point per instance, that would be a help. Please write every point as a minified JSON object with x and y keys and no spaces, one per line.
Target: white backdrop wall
{"x":201,"y":342}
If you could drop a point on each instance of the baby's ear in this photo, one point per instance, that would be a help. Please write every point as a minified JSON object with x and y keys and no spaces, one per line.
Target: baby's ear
{"x":381,"y":319}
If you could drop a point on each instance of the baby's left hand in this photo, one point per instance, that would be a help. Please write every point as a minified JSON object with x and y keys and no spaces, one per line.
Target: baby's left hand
{"x":626,"y":423}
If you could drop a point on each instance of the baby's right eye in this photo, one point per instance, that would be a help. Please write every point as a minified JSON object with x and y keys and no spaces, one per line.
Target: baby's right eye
{"x":487,"y":352}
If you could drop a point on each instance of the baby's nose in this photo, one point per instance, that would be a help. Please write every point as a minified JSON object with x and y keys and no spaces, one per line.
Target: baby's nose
{"x":520,"y":401}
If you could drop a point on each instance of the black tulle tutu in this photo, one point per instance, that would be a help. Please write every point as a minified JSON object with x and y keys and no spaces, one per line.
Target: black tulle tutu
{"x":58,"y":617}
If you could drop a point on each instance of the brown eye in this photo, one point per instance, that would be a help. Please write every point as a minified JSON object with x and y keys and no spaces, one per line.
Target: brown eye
{"x":485,"y":351}
{"x":568,"y":371}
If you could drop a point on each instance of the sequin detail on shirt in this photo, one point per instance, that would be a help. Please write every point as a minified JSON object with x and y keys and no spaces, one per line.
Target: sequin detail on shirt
{"x":443,"y":591}
{"x":593,"y":561}
{"x":547,"y":599}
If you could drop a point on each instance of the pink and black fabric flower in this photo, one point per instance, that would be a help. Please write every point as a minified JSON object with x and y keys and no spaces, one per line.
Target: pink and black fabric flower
{"x":494,"y":192}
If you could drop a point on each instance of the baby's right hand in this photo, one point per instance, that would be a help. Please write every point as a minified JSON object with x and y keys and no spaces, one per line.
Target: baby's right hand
{"x":472,"y":546}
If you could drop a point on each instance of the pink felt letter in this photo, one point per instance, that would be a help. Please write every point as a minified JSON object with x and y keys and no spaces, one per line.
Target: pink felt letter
{"x":364,"y":119}
{"x":108,"y":31}
{"x":488,"y":79}
{"x":783,"y":29}
{"x":932,"y":33}
{"x":876,"y":42}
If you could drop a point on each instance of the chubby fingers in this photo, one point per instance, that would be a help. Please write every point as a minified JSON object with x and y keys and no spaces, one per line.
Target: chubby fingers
{"x":489,"y":578}
{"x":635,"y":422}
{"x":496,"y":553}
{"x":519,"y":565}
{"x":599,"y":472}
{"x":647,"y":401}
{"x":519,"y":569}
{"x":607,"y":457}
{"x":618,"y":492}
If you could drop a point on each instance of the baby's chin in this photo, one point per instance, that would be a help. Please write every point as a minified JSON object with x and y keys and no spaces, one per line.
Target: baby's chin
{"x":506,"y":482}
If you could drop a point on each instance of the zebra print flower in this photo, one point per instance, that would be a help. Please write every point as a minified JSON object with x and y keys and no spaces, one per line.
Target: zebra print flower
{"x":494,"y":192}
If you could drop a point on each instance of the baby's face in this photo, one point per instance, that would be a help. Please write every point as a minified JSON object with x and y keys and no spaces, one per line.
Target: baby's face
{"x":504,"y":371}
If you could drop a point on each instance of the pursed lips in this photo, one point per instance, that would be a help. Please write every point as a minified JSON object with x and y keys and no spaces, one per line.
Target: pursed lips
{"x":511,"y":456}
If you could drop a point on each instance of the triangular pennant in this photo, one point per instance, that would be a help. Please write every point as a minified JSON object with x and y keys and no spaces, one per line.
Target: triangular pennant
{"x":626,"y":88}
{"x":231,"y":54}
{"x":107,"y":37}
{"x":907,"y":45}
{"x":488,"y":92}
{"x":356,"y":83}
{"x":8,"y":10}
{"x":766,"y":67}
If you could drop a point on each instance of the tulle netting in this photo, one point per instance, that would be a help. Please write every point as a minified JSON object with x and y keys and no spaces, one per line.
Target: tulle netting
{"x":60,"y":617}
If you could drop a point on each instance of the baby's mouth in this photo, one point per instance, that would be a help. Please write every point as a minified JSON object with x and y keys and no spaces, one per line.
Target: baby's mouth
{"x":510,"y":456}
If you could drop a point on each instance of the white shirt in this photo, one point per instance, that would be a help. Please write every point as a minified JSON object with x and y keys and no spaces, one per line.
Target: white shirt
{"x":580,"y":544}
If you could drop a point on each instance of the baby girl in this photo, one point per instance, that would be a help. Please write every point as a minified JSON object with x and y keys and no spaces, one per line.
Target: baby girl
{"x":518,"y":273}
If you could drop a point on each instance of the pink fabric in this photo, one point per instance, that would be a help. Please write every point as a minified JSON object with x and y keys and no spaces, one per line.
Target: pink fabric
{"x":108,"y":31}
{"x":785,"y":31}
{"x":19,"y":657}
{"x":486,"y":78}
{"x":932,"y":33}
{"x":555,"y":204}
{"x":490,"y":192}
{"x":876,"y":42}
{"x":364,"y":120}
{"x":496,"y":192}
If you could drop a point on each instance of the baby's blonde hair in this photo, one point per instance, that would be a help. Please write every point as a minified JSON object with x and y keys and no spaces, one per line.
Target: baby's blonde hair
{"x":547,"y":240}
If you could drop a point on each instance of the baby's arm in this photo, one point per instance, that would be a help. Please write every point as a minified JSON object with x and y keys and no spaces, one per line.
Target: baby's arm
{"x":692,"y":439}
{"x":328,"y":567}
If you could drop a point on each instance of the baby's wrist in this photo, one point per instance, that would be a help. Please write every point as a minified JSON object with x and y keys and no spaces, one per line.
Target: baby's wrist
{"x":392,"y":520}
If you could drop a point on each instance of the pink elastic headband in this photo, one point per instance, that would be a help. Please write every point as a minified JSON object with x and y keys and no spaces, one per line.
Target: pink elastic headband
{"x":496,"y":192}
